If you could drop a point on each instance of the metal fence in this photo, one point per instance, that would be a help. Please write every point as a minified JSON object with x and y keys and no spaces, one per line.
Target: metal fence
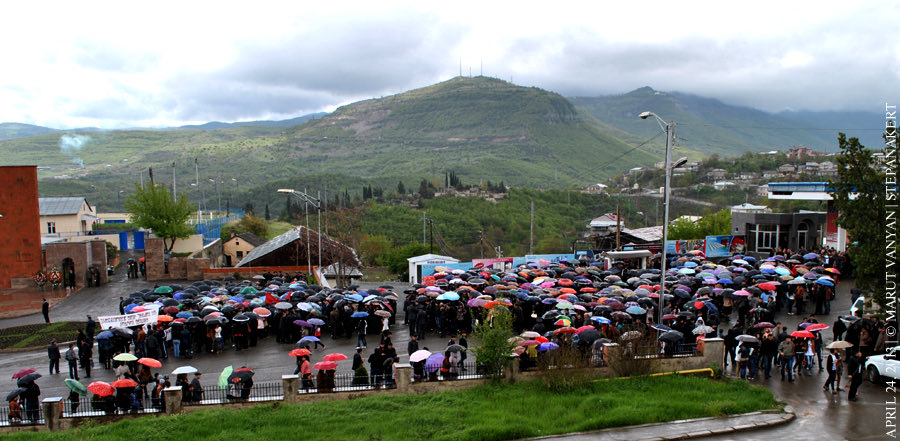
{"x":21,"y":417}
{"x":89,"y":407}
{"x":273,"y":391}
{"x":680,"y":350}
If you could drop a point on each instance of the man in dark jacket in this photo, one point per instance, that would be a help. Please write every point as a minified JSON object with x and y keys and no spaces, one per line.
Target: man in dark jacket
{"x":45,"y":309}
{"x":855,"y":365}
{"x":196,"y":388}
{"x":53,"y":353}
{"x":376,"y":362}
{"x":413,"y":344}
{"x":90,"y":328}
{"x":769,"y":349}
{"x":86,"y":353}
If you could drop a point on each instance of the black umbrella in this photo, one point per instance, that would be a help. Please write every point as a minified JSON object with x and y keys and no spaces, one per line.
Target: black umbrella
{"x":15,"y":393}
{"x":589,"y":336}
{"x":240,"y":376}
{"x":28,"y":379}
{"x":122,"y":332}
{"x":671,"y":336}
{"x":455,"y":348}
{"x":241,"y":318}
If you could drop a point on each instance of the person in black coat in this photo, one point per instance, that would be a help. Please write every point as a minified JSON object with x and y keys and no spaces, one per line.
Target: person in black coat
{"x":856,"y":369}
{"x":45,"y":309}
{"x":32,"y":405}
{"x":90,"y":328}
{"x":831,"y":368}
{"x":413,"y":345}
{"x":53,"y":354}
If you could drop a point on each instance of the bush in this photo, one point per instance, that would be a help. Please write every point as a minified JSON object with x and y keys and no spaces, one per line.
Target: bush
{"x":494,"y":348}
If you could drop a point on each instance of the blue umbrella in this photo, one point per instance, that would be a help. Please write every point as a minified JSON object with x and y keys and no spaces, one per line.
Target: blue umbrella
{"x":104,"y":335}
{"x":434,"y":362}
{"x":690,"y":264}
{"x":308,"y":338}
{"x":360,"y":314}
{"x":317,"y":322}
{"x":782,"y":271}
{"x":712,"y":308}
{"x":725,"y":281}
{"x":451,"y":296}
{"x":601,"y":320}
{"x":130,"y":307}
{"x":636,"y":310}
{"x":825,"y":282}
{"x":354,"y":297}
{"x":810,"y":256}
{"x":660,"y":327}
{"x":547,"y":346}
{"x":184,"y":315}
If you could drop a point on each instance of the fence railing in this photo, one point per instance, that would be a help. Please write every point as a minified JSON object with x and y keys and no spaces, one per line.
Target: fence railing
{"x":273,"y":391}
{"x":88,"y":407}
{"x":21,"y":417}
{"x":679,"y":350}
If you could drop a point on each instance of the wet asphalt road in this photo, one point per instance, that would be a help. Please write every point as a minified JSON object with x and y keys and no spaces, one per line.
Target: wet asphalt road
{"x":821,"y":416}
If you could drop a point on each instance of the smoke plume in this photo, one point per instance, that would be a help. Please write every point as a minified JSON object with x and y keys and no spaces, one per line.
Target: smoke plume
{"x":72,"y":145}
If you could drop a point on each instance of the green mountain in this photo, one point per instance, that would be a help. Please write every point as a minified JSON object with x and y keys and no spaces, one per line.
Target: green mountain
{"x":705,"y":125}
{"x":483,"y":129}
{"x":9,"y":130}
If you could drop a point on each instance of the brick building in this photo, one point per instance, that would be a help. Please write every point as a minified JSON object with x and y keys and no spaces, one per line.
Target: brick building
{"x":20,"y":236}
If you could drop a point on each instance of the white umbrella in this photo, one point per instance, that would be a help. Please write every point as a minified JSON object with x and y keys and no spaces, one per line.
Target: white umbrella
{"x":419,"y":355}
{"x":840,"y":344}
{"x":184,"y":370}
{"x":530,"y":334}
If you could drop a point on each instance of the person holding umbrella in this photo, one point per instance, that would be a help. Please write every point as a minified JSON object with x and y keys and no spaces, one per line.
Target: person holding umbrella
{"x":831,"y":367}
{"x":855,"y":367}
{"x":31,"y":396}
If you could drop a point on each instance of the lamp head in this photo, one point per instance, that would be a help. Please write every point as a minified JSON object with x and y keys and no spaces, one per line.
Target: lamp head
{"x":681,"y":161}
{"x":285,"y":190}
{"x":645,"y":115}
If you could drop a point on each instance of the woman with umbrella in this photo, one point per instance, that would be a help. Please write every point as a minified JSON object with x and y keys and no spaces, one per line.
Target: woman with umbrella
{"x":30,"y":395}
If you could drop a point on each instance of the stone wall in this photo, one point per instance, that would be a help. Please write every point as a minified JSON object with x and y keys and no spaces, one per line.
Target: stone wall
{"x":154,"y":258}
{"x":20,"y":234}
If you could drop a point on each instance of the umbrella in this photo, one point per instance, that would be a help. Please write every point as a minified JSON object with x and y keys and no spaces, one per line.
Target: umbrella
{"x":631,"y":335}
{"x":241,"y":375}
{"x":839,"y":344}
{"x":763,"y":325}
{"x":241,"y":318}
{"x":262,"y":312}
{"x":334,"y":357}
{"x":636,"y":310}
{"x":802,"y":334}
{"x":529,"y":343}
{"x":824,"y":281}
{"x":325,"y":365}
{"x":565,"y":330}
{"x":283,"y":305}
{"x":299,"y":352}
{"x":547,"y":346}
{"x":433,"y":363}
{"x":164,"y":318}
{"x":223,"y":377}
{"x":600,"y":319}
{"x":76,"y":386}
{"x":184,"y":370}
{"x":661,"y":327}
{"x":360,"y":314}
{"x":316,"y":322}
{"x":101,"y":389}
{"x":23,"y":373}
{"x":150,"y":362}
{"x":28,"y":379}
{"x":125,"y":356}
{"x":530,"y":334}
{"x":12,"y":395}
{"x":419,"y":355}
{"x":703,"y":329}
{"x":104,"y":335}
{"x":125,"y":382}
{"x":747,"y":338}
{"x":383,"y":313}
{"x":849,"y":318}
{"x":671,"y":336}
{"x":308,"y":338}
{"x":123,"y":332}
{"x":455,"y":348}
{"x":816,"y":327}
{"x":303,"y":323}
{"x":163,"y":290}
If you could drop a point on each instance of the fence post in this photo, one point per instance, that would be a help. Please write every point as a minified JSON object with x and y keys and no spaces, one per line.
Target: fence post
{"x":291,"y":385}
{"x":713,"y":350}
{"x":172,"y":396}
{"x":612,"y":353}
{"x":511,"y":368}
{"x":52,"y":409}
{"x":404,"y":376}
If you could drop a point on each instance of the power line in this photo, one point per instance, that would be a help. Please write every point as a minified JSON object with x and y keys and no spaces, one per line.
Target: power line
{"x":617,"y":158}
{"x":777,"y":128}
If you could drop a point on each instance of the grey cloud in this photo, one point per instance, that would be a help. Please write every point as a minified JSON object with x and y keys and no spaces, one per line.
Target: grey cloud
{"x":105,"y":57}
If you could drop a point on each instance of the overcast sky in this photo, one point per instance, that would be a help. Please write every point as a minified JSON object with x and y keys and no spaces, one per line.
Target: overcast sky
{"x":126,"y":64}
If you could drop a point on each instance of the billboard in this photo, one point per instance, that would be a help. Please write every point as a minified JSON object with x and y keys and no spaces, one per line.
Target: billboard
{"x":718,"y":246}
{"x":552,"y":258}
{"x":128,"y":320}
{"x":498,"y":263}
{"x":683,"y":246}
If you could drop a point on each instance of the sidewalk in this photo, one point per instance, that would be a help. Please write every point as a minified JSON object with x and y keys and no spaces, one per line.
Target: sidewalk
{"x":683,"y":429}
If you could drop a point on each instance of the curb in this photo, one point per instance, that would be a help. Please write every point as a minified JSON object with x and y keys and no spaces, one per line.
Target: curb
{"x":784,"y":417}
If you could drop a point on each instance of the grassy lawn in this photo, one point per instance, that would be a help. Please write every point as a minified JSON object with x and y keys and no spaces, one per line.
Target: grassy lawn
{"x":488,"y":412}
{"x":30,"y":336}
{"x":277,"y":228}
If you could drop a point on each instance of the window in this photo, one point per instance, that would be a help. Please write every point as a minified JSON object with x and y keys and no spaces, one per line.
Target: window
{"x":237,"y":242}
{"x":51,"y":227}
{"x":766,"y":237}
{"x":239,"y":254}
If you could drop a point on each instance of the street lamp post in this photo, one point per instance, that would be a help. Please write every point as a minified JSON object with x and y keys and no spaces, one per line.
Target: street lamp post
{"x":670,"y":136}
{"x":317,"y":204}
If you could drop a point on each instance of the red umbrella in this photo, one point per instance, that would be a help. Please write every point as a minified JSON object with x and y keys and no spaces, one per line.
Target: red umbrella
{"x":171,"y":310}
{"x":125,"y":382}
{"x":23,"y":373}
{"x":529,"y":343}
{"x":101,"y":389}
{"x":565,"y":330}
{"x":764,"y":325}
{"x":150,"y":362}
{"x":325,"y":365}
{"x":262,"y":312}
{"x":582,"y":329}
{"x":299,"y":352}
{"x":768,"y":286}
{"x":802,"y":334}
{"x":542,"y":339}
{"x":165,"y":318}
{"x":334,"y":357}
{"x":816,"y":327}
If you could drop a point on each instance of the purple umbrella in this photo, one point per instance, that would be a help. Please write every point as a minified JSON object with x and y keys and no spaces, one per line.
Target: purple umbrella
{"x":433,"y":363}
{"x":302,"y":323}
{"x":546,"y":346}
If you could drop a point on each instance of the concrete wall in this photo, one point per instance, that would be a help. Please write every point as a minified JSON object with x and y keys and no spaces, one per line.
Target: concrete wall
{"x":83,"y":254}
{"x":20,"y":234}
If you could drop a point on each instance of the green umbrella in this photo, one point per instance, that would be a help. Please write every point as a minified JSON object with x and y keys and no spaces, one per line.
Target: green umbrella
{"x":125,"y":356}
{"x":223,"y":377}
{"x":248,"y":290}
{"x":163,"y":290}
{"x":76,"y":386}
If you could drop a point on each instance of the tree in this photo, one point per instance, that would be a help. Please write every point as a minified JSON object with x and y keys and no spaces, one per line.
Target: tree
{"x":153,"y":208}
{"x":863,"y":216}
{"x":268,"y":216}
{"x":401,"y":189}
{"x":493,"y":336}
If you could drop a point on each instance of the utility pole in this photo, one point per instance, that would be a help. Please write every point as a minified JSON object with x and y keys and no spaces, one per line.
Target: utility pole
{"x":618,"y":226}
{"x":424,"y":226}
{"x":319,"y":227}
{"x":531,"y":237}
{"x":431,"y":236}
{"x":151,"y":176}
{"x":174,"y":193}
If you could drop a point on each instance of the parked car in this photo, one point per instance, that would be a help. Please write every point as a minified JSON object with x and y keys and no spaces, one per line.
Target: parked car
{"x":884,"y":366}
